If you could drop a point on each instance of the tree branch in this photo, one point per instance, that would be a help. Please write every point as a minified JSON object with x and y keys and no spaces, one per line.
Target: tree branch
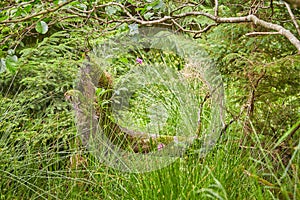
{"x":143,"y":22}
{"x":196,"y":32}
{"x":262,"y":33}
{"x":216,"y":8}
{"x":49,"y":10}
{"x":287,"y":33}
{"x":293,"y":17}
{"x":293,"y":3}
{"x":250,"y":18}
{"x":207,"y":28}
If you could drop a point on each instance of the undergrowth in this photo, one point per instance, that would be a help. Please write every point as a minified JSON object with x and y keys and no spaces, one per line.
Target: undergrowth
{"x":41,"y":155}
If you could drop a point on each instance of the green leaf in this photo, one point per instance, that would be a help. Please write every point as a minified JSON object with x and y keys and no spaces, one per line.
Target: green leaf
{"x":10,"y":52}
{"x":41,"y":27}
{"x":111,"y":10}
{"x":11,"y":63}
{"x":28,"y":8}
{"x":159,"y":4}
{"x":4,"y":18}
{"x":133,"y":28}
{"x":2,"y":65}
{"x":83,"y":6}
{"x":5,"y":30}
{"x":148,"y":15}
{"x":124,"y":60}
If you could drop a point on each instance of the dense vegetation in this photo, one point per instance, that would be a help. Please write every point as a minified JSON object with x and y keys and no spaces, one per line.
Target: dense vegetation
{"x":43,"y":46}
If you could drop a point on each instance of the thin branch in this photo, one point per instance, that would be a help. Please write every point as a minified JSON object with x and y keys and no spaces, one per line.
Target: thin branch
{"x":183,"y":29}
{"x":47,"y":11}
{"x":250,"y":18}
{"x":262,"y":33}
{"x":216,"y":8}
{"x":293,"y":3}
{"x":207,"y":96}
{"x":196,"y":13}
{"x":165,"y":18}
{"x":293,"y":17}
{"x":18,"y":5}
{"x":287,"y":33}
{"x":196,"y":33}
{"x":207,"y":28}
{"x":84,"y":11}
{"x":181,"y":7}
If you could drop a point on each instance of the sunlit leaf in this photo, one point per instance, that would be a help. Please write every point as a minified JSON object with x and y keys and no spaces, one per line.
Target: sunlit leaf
{"x":41,"y":27}
{"x":2,"y":65}
{"x":5,"y":30}
{"x":28,"y":8}
{"x":159,"y":5}
{"x":11,"y":63}
{"x":111,"y":10}
{"x":133,"y":28}
{"x":4,"y":18}
{"x":148,"y":15}
{"x":10,"y":52}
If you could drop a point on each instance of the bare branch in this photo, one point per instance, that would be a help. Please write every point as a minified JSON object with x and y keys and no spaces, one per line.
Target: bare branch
{"x":216,"y":8}
{"x":250,"y":18}
{"x":295,"y":41}
{"x":196,"y":33}
{"x":293,"y":17}
{"x":293,"y":3}
{"x":196,"y":13}
{"x":183,"y":29}
{"x":207,"y":28}
{"x":181,"y":7}
{"x":17,"y":5}
{"x":143,"y":22}
{"x":49,"y":10}
{"x":262,"y":33}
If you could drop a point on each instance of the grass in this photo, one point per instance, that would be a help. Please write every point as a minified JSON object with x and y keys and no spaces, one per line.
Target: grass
{"x":232,"y":170}
{"x":42,"y":157}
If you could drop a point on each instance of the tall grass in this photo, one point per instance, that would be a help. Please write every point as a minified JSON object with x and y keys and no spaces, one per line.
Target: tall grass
{"x":41,"y":155}
{"x":237,"y":168}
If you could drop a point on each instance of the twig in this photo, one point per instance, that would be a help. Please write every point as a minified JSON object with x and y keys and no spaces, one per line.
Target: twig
{"x":181,"y":7}
{"x":293,"y":3}
{"x":292,"y":17}
{"x":165,"y":18}
{"x":18,"y":5}
{"x":196,"y":33}
{"x":207,"y":28}
{"x":207,"y":96}
{"x":216,"y":8}
{"x":249,"y":18}
{"x":47,"y":11}
{"x":262,"y":33}
{"x":183,"y":29}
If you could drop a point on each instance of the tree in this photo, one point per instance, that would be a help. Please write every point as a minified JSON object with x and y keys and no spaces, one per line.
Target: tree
{"x":185,"y":16}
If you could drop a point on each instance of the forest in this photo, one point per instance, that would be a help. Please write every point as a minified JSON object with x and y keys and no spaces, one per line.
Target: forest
{"x":150,"y":99}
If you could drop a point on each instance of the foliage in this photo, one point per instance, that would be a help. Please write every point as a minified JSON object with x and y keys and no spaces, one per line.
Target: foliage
{"x":42,"y":45}
{"x":36,"y":122}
